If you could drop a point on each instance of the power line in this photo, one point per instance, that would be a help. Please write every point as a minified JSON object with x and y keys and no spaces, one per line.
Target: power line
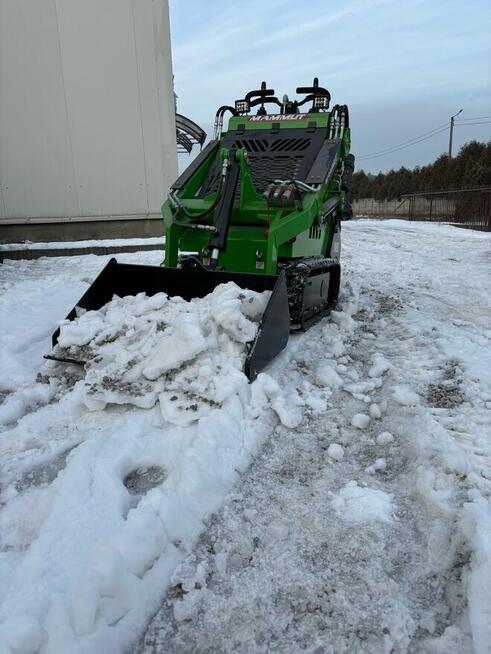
{"x":482,"y":122}
{"x":375,"y":156}
{"x":474,"y":118}
{"x":405,"y":145}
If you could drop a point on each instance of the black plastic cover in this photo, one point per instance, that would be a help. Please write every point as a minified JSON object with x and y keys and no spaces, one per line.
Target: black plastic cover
{"x":194,"y":165}
{"x":324,"y":163}
{"x":287,"y":153}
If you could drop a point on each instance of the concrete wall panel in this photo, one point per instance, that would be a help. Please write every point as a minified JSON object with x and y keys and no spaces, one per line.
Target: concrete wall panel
{"x":35,"y":155}
{"x":86,"y":108}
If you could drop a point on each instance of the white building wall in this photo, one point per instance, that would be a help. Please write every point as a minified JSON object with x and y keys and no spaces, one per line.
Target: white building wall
{"x":86,"y":108}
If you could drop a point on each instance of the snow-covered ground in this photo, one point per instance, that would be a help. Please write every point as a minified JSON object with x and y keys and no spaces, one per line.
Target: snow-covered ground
{"x":61,"y":245}
{"x":364,"y":521}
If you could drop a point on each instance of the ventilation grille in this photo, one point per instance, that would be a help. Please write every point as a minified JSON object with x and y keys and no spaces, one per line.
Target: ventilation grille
{"x":315,"y":232}
{"x":266,"y":169}
{"x":252,"y":145}
{"x":286,"y":154}
{"x":279,"y":145}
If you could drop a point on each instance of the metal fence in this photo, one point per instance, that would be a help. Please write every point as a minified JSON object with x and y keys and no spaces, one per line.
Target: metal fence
{"x":371,"y":207}
{"x":466,"y":207}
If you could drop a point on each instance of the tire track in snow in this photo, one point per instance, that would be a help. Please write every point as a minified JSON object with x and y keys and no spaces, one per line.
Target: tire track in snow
{"x":282,"y":558}
{"x":279,"y":571}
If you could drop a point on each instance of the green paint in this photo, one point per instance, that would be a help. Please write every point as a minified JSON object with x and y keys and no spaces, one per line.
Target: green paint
{"x":257,"y":236}
{"x":297,"y":120}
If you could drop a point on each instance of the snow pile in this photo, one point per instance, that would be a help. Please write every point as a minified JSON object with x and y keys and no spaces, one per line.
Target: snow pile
{"x":187,"y":356}
{"x":362,"y":504}
{"x":266,"y":391}
{"x":100,"y":505}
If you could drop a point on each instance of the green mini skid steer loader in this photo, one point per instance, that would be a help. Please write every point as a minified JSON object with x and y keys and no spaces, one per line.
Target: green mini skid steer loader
{"x":259,"y":206}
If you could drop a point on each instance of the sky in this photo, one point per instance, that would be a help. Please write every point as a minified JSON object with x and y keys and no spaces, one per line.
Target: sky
{"x":403,"y":67}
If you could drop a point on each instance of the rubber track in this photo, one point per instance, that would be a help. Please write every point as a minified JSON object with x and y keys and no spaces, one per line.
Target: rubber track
{"x":297,"y":274}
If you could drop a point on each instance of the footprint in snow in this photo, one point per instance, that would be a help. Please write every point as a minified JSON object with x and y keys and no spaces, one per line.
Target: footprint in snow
{"x":143,"y":479}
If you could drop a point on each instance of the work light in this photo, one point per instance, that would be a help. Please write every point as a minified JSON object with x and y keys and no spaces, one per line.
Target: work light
{"x":242,"y":106}
{"x":321,"y":102}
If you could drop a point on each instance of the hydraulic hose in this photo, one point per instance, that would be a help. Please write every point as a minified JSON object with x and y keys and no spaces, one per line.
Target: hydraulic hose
{"x":202,"y":214}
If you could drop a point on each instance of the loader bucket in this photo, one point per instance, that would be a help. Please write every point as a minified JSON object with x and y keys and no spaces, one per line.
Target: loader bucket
{"x":123,"y":279}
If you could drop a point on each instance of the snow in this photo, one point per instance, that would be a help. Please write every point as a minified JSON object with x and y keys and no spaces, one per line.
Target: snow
{"x":405,"y":396}
{"x":398,"y":582}
{"x":335,"y":451}
{"x":385,"y":438}
{"x":360,"y":420}
{"x":220,"y":520}
{"x":63,"y":245}
{"x":133,"y":344}
{"x":380,"y":366}
{"x":363,"y":504}
{"x":375,"y":411}
{"x":82,"y":547}
{"x":327,"y":376}
{"x":379,"y":465}
{"x":476,"y":525}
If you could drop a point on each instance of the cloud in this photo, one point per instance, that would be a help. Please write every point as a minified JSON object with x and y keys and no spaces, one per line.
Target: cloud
{"x":378,"y":56}
{"x":260,"y":29}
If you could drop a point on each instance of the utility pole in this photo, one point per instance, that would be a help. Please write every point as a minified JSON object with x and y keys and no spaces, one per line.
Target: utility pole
{"x":450,"y":139}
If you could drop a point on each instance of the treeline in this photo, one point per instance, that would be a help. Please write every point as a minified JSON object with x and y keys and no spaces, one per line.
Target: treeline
{"x":469,"y":169}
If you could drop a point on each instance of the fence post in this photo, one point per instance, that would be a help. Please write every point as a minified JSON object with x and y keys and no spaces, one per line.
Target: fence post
{"x":488,"y":209}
